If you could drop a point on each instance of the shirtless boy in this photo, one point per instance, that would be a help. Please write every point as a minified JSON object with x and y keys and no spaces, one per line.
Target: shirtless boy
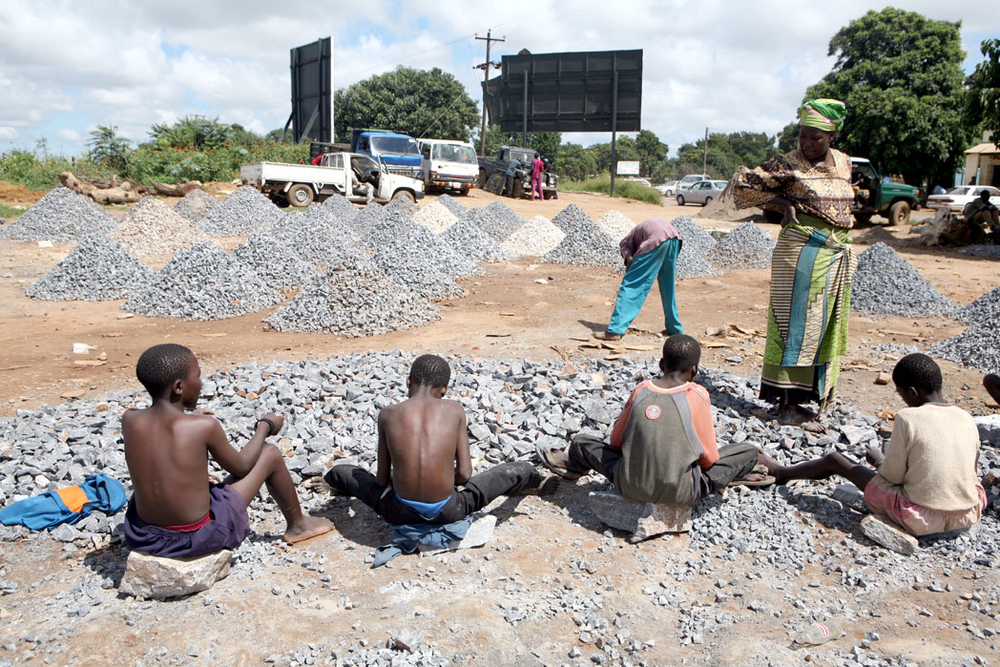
{"x":174,"y":510}
{"x":424,"y":467}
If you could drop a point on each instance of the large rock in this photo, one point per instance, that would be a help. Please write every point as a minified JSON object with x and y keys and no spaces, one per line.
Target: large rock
{"x":989,"y":429}
{"x":643,"y":520}
{"x":149,"y":576}
{"x":881,"y":531}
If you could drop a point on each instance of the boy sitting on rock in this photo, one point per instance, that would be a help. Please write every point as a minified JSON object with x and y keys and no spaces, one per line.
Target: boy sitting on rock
{"x":174,"y":511}
{"x":663,"y":448}
{"x":926,"y":480}
{"x":424,"y":466}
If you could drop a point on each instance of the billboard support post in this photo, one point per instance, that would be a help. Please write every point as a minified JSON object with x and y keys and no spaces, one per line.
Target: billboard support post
{"x":524,"y":117}
{"x":614,"y":129}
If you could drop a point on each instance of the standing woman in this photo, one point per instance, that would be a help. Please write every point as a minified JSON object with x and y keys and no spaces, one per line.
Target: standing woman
{"x":812,"y":265}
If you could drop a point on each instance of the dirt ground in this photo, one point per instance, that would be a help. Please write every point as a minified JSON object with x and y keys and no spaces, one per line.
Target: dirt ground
{"x":517,"y":310}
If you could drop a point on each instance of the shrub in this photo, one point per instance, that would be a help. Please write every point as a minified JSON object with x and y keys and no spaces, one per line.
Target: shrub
{"x":623,"y":188}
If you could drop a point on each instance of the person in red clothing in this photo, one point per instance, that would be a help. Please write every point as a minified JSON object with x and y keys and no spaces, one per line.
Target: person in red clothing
{"x":663,"y":447}
{"x":537,"y":167}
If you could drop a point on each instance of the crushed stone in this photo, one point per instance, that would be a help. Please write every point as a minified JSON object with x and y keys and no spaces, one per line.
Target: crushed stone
{"x":98,"y":269}
{"x":195,"y":205}
{"x":616,"y":224}
{"x":533,"y":239}
{"x":243,"y":213}
{"x":696,"y":242}
{"x":885,"y":283}
{"x":746,"y":247}
{"x":435,"y":217}
{"x":151,"y":228}
{"x":62,"y":216}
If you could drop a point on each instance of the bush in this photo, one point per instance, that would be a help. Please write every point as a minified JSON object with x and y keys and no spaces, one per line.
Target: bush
{"x":25,"y":168}
{"x":176,"y":165}
{"x":623,"y":188}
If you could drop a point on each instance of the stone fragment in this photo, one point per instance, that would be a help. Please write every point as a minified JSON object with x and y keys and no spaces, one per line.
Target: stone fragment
{"x":851,"y":496}
{"x":643,"y":520}
{"x":149,"y":576}
{"x":989,"y":429}
{"x":888,"y":535}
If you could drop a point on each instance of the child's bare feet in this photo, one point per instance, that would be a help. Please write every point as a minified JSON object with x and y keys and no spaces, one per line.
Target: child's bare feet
{"x":319,"y":485}
{"x":306,"y":528}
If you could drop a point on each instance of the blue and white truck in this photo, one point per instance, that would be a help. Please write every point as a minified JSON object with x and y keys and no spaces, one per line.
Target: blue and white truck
{"x":399,"y":152}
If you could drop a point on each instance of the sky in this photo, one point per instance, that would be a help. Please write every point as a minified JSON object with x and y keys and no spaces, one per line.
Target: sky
{"x":66,"y":67}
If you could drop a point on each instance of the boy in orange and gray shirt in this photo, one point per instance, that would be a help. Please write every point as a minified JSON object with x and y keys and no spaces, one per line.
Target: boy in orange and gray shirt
{"x":663,"y":447}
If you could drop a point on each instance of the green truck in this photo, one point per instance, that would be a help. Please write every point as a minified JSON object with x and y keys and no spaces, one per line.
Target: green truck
{"x":893,"y":201}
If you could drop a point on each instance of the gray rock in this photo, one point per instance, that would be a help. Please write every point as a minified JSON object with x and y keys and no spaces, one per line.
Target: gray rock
{"x":643,"y":520}
{"x":882,"y":532}
{"x":885,"y":283}
{"x":61,"y":215}
{"x":242,"y":213}
{"x":746,"y":247}
{"x":989,"y":429}
{"x":149,"y":576}
{"x":96,"y":270}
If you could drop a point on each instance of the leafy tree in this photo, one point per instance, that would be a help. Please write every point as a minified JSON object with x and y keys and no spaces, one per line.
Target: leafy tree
{"x":625,"y":149}
{"x":983,"y":100}
{"x":900,"y":75}
{"x":417,"y":102}
{"x":652,"y":154}
{"x":548,"y":144}
{"x":788,"y":138}
{"x":110,"y":150}
{"x":726,"y":152}
{"x":575,"y":162}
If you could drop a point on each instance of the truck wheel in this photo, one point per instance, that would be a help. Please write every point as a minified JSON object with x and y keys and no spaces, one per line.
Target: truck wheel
{"x":464,"y":190}
{"x":899,"y":213}
{"x":481,"y":181}
{"x":301,"y":195}
{"x":680,"y":200}
{"x":517,"y":189}
{"x":404,"y":194}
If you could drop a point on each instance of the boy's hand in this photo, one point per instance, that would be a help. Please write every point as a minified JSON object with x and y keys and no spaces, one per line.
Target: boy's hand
{"x":874,"y":456}
{"x":278,"y":420}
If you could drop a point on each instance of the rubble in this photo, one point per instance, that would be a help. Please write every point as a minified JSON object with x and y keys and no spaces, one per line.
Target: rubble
{"x":62,"y":216}
{"x":151,"y":228}
{"x":242,"y":213}
{"x":98,"y":269}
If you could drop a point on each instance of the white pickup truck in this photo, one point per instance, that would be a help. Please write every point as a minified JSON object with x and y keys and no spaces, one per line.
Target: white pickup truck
{"x":301,"y":184}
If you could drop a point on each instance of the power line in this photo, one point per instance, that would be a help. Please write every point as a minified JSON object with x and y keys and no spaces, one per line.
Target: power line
{"x":489,"y":39}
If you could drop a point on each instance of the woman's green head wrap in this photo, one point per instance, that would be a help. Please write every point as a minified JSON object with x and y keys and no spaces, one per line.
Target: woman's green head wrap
{"x":823,"y":114}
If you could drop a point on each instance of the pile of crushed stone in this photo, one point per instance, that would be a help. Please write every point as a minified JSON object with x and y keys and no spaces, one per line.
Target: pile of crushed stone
{"x":886,"y":284}
{"x":746,"y":247}
{"x":98,"y":269}
{"x":151,"y":228}
{"x":62,"y":216}
{"x":195,"y":205}
{"x":242,"y":213}
{"x":533,"y":239}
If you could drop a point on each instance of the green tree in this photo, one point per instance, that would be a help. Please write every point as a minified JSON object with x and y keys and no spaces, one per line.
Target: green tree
{"x":420,"y":103}
{"x":548,"y":144}
{"x":652,"y":154}
{"x":983,"y":99}
{"x":110,"y":150}
{"x":726,"y":152}
{"x":900,"y":75}
{"x":625,"y":149}
{"x":788,"y":138}
{"x":575,"y":162}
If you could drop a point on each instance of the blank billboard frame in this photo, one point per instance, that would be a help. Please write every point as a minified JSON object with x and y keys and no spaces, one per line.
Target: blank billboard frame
{"x":312,"y":91}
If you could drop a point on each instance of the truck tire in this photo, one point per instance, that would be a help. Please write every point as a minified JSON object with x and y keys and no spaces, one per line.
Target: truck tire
{"x":404,"y":194}
{"x":680,"y":200}
{"x":481,"y":181}
{"x":899,"y":212}
{"x":300,"y":195}
{"x":464,"y":190}
{"x":517,"y":189}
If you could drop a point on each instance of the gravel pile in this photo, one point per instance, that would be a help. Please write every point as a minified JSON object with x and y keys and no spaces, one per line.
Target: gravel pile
{"x":449,"y":202}
{"x":435,"y":217}
{"x":535,"y":238}
{"x":339,"y":208}
{"x":365,"y":220}
{"x":885,"y":283}
{"x":571,"y":217}
{"x":692,"y":261}
{"x":746,"y":247}
{"x":981,"y":311}
{"x":242,"y":213}
{"x":98,"y":269}
{"x":151,"y":228}
{"x":61,"y":215}
{"x":403,"y":205}
{"x":203,"y":283}
{"x":415,"y":258}
{"x":320,"y":238}
{"x":472,"y":242}
{"x":585,"y":244}
{"x":362,"y":301}
{"x":278,"y":263}
{"x":617,"y":225}
{"x":977,"y":347}
{"x":982,"y":250}
{"x":498,"y":220}
{"x":195,"y":205}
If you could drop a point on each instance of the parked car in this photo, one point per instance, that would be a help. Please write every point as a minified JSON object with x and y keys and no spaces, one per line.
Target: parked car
{"x":956,"y":199}
{"x":667,"y":189}
{"x":689,"y":180}
{"x":701,"y":192}
{"x":640,"y":181}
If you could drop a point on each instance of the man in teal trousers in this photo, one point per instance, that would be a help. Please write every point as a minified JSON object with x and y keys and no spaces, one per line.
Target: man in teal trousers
{"x":650,"y":253}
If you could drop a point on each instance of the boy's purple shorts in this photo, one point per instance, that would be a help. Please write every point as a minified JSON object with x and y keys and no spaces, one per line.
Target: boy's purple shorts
{"x":227,"y":529}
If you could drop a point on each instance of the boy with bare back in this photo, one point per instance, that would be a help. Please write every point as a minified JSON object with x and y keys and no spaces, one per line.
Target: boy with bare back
{"x":424,"y":467}
{"x":174,"y":511}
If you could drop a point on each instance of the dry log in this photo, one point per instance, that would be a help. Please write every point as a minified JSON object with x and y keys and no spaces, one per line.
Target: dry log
{"x":175,"y":190}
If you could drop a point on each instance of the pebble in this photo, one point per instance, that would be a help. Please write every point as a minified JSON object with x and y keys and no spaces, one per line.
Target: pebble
{"x":242,"y":213}
{"x":98,"y":269}
{"x":152,"y":228}
{"x":61,"y":215}
{"x":203,"y":283}
{"x":886,"y":284}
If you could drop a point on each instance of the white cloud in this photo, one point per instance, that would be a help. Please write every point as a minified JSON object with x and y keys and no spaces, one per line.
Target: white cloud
{"x":66,"y":134}
{"x":7,"y":133}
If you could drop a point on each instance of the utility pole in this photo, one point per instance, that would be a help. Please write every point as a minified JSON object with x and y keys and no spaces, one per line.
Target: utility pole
{"x":486,"y":77}
{"x":704,"y":165}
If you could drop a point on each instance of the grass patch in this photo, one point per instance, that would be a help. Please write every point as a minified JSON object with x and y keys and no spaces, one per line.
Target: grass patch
{"x":10,"y":211}
{"x":623,"y":188}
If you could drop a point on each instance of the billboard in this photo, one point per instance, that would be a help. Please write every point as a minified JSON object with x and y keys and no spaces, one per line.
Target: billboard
{"x":312,"y":91}
{"x":567,"y":92}
{"x":628,"y":167}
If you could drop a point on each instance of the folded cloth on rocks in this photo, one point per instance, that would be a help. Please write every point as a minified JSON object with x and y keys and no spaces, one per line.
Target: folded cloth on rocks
{"x":66,"y":505}
{"x":406,"y":539}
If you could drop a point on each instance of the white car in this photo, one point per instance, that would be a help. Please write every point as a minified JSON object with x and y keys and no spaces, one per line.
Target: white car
{"x":956,"y":199}
{"x":668,"y":189}
{"x":702,"y":192}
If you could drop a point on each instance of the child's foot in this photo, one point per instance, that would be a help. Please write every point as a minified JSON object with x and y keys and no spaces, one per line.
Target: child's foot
{"x":547,"y":487}
{"x":607,"y":336}
{"x":307,"y":528}
{"x":774,"y":469}
{"x":319,"y":485}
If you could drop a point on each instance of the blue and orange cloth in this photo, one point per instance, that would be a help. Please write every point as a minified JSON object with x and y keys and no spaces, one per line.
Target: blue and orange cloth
{"x":66,"y":505}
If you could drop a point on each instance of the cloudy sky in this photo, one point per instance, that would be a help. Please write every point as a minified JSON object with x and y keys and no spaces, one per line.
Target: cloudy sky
{"x":66,"y":67}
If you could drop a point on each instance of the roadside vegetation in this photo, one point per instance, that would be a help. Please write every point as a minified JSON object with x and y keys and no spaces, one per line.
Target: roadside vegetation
{"x":623,"y":188}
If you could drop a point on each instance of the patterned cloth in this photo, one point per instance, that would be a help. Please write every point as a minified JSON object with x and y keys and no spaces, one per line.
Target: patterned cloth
{"x":811,"y":272}
{"x":823,"y":192}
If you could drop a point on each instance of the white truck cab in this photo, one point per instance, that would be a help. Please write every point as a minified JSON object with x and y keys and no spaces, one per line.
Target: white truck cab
{"x":300,"y":184}
{"x":448,"y":165}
